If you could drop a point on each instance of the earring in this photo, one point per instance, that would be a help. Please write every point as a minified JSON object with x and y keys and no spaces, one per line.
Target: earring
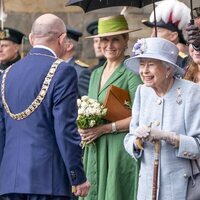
{"x":167,"y":75}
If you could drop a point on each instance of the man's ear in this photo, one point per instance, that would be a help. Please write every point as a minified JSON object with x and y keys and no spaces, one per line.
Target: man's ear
{"x":16,"y":47}
{"x":69,"y":45}
{"x":62,"y":39}
{"x":31,"y":39}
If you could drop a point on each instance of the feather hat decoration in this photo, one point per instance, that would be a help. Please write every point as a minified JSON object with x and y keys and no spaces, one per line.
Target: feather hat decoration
{"x":172,"y":15}
{"x":172,"y":11}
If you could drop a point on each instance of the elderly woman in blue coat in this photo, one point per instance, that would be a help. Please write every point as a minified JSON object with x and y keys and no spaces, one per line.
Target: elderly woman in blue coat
{"x":165,"y":109}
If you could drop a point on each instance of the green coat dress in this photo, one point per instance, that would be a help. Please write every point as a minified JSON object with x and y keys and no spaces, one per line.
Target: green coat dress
{"x":113,"y":174}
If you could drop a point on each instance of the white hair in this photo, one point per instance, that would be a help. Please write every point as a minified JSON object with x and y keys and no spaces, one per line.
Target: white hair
{"x":168,"y":65}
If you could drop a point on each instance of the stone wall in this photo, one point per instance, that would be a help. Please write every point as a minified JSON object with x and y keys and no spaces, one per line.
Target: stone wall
{"x":75,"y":17}
{"x":78,"y":19}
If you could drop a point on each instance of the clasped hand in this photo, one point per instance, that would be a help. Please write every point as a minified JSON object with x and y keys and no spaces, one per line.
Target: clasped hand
{"x":149,"y":134}
{"x":82,"y":189}
{"x":90,"y":134}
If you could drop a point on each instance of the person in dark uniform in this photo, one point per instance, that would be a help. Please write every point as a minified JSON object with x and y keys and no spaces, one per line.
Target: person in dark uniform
{"x":171,"y":20}
{"x":84,"y":78}
{"x":73,"y":36}
{"x":40,"y":152}
{"x":10,"y":41}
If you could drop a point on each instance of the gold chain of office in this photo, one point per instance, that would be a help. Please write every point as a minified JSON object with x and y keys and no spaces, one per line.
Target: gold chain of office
{"x":36,"y":103}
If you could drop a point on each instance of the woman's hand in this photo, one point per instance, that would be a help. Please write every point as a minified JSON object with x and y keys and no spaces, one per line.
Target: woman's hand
{"x":91,"y":134}
{"x":142,"y":131}
{"x":149,"y":134}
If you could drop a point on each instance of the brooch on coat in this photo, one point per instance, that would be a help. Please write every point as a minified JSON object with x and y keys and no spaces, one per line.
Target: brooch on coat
{"x":179,"y":96}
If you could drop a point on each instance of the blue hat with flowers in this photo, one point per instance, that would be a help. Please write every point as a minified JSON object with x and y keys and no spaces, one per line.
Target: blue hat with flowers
{"x":155,"y":48}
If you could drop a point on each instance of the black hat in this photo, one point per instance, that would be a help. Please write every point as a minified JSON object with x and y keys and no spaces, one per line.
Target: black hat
{"x":169,"y":26}
{"x":92,"y":28}
{"x":73,"y":34}
{"x":11,"y":34}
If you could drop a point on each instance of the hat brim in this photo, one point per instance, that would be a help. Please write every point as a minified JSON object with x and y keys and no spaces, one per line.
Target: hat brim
{"x":168,"y":26}
{"x":148,"y":23}
{"x":113,"y":33}
{"x":133,"y":63}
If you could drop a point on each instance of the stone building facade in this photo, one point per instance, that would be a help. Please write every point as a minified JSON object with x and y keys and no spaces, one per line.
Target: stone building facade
{"x":21,"y":16}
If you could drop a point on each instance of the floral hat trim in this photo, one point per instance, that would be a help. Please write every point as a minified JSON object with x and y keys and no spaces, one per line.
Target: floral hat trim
{"x":139,"y":47}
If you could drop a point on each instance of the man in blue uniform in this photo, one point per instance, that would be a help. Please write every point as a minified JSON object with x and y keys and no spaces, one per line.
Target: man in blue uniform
{"x":69,"y":56}
{"x":40,"y":153}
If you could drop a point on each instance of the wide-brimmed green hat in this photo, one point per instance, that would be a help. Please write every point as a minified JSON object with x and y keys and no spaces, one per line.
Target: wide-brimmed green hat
{"x":112,"y":25}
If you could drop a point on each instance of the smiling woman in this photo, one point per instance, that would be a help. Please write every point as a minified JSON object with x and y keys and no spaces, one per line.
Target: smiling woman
{"x":164,"y":119}
{"x":112,"y":172}
{"x":154,"y":74}
{"x":193,"y":70}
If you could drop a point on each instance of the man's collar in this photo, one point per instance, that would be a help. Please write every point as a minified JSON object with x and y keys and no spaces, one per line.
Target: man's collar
{"x":47,"y":48}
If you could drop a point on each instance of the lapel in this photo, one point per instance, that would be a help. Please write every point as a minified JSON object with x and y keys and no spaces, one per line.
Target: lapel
{"x":97,"y":78}
{"x":116,"y":75}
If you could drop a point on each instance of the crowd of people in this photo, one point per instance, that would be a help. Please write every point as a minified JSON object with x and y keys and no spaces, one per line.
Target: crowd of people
{"x":41,"y":157}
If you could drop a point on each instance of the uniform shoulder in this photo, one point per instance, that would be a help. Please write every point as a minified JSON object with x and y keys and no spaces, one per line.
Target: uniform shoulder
{"x":182,"y":55}
{"x":81,"y":63}
{"x":1,"y":71}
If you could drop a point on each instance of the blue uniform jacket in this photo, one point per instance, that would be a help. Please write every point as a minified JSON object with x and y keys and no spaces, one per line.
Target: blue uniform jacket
{"x":40,"y":154}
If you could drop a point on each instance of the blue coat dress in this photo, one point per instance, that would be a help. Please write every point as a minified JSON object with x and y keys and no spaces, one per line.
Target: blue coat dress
{"x":177,"y":111}
{"x":40,"y":154}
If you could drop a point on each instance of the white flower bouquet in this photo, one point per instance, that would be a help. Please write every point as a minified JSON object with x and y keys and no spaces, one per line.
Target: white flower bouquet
{"x":90,"y":112}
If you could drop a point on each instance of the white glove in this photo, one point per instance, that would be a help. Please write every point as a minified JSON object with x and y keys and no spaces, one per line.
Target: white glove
{"x":169,"y":137}
{"x":142,"y":131}
{"x":149,"y":134}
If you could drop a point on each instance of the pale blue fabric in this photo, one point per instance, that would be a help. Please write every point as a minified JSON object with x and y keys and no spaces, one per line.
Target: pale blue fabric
{"x":181,"y":118}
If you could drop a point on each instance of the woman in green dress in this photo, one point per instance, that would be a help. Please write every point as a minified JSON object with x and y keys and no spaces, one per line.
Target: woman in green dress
{"x":112,"y":173}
